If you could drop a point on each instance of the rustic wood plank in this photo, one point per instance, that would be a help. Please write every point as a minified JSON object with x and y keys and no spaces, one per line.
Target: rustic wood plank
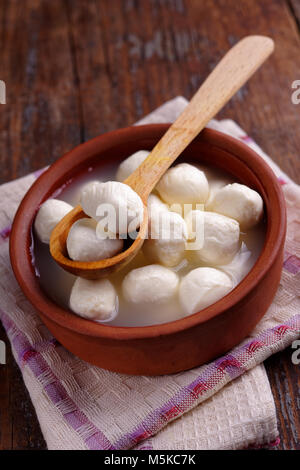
{"x":75,"y":69}
{"x":294,"y":6}
{"x":19,"y":427}
{"x":285,"y":382}
{"x":6,"y":422}
{"x":40,"y":121}
{"x":169,"y":47}
{"x":26,"y":429}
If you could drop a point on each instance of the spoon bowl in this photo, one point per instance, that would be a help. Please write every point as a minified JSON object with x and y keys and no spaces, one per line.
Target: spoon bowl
{"x":94,"y":269}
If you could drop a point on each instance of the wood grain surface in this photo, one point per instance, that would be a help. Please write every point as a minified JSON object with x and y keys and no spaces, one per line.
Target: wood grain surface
{"x":77,"y":68}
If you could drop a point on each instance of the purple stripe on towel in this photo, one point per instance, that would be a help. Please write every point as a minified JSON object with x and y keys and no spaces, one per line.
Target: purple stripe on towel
{"x":5,"y":233}
{"x":54,"y":388}
{"x":292,"y":264}
{"x":281,"y":181}
{"x":234,"y":363}
{"x":211,"y":378}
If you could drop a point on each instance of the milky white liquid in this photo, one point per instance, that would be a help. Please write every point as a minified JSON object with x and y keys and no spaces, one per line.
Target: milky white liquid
{"x":57,"y":283}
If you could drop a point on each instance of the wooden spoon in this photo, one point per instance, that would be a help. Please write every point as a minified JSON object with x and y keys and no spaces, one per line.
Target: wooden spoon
{"x":226,"y":79}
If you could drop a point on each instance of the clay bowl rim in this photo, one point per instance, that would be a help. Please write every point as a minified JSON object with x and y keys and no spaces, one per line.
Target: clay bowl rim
{"x":21,"y":241}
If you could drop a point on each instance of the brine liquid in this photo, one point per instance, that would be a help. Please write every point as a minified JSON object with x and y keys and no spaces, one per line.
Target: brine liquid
{"x":57,"y":283}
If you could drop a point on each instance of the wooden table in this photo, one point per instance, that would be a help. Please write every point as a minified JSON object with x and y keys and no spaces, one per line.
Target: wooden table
{"x":75,"y":69}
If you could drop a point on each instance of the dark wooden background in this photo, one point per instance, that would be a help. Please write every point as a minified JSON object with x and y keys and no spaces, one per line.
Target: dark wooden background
{"x":77,"y":68}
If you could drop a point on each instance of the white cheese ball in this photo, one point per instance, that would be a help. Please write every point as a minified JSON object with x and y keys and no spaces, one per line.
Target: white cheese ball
{"x":48,"y":216}
{"x":166,"y":238}
{"x":96,"y":300}
{"x":239,"y":202}
{"x":202,"y":287}
{"x":150,"y":284}
{"x":215,"y":237}
{"x":155,"y":204}
{"x":183,"y":184}
{"x":131,"y":163}
{"x":216,"y":181}
{"x":125,"y":207}
{"x":241,"y":264}
{"x":84,"y":245}
{"x":83,"y":188}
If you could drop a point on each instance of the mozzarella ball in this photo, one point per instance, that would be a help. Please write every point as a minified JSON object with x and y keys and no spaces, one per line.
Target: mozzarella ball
{"x":150,"y":284}
{"x":48,"y":216}
{"x":155,"y":204}
{"x":116,"y":206}
{"x":83,"y":188}
{"x":183,"y":184}
{"x":166,"y":238}
{"x":131,"y":163}
{"x":202,"y":287}
{"x":96,"y":300}
{"x":241,"y":264}
{"x":215,"y":237}
{"x":216,"y":181}
{"x":239,"y":202}
{"x":84,"y":245}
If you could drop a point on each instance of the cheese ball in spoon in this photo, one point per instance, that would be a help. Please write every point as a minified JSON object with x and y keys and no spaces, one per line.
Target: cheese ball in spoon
{"x":116,"y":206}
{"x":84,"y":245}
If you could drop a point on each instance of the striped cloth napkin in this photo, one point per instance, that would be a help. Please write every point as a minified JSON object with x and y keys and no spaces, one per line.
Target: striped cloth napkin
{"x":226,"y":404}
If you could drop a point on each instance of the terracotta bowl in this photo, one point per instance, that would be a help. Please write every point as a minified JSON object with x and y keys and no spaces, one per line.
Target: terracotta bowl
{"x":177,"y":345}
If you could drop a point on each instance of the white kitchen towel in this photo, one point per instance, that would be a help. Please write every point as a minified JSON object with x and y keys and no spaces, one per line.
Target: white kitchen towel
{"x":226,"y":404}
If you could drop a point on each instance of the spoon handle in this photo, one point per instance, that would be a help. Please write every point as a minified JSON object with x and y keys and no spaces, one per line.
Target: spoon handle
{"x":232,"y":72}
